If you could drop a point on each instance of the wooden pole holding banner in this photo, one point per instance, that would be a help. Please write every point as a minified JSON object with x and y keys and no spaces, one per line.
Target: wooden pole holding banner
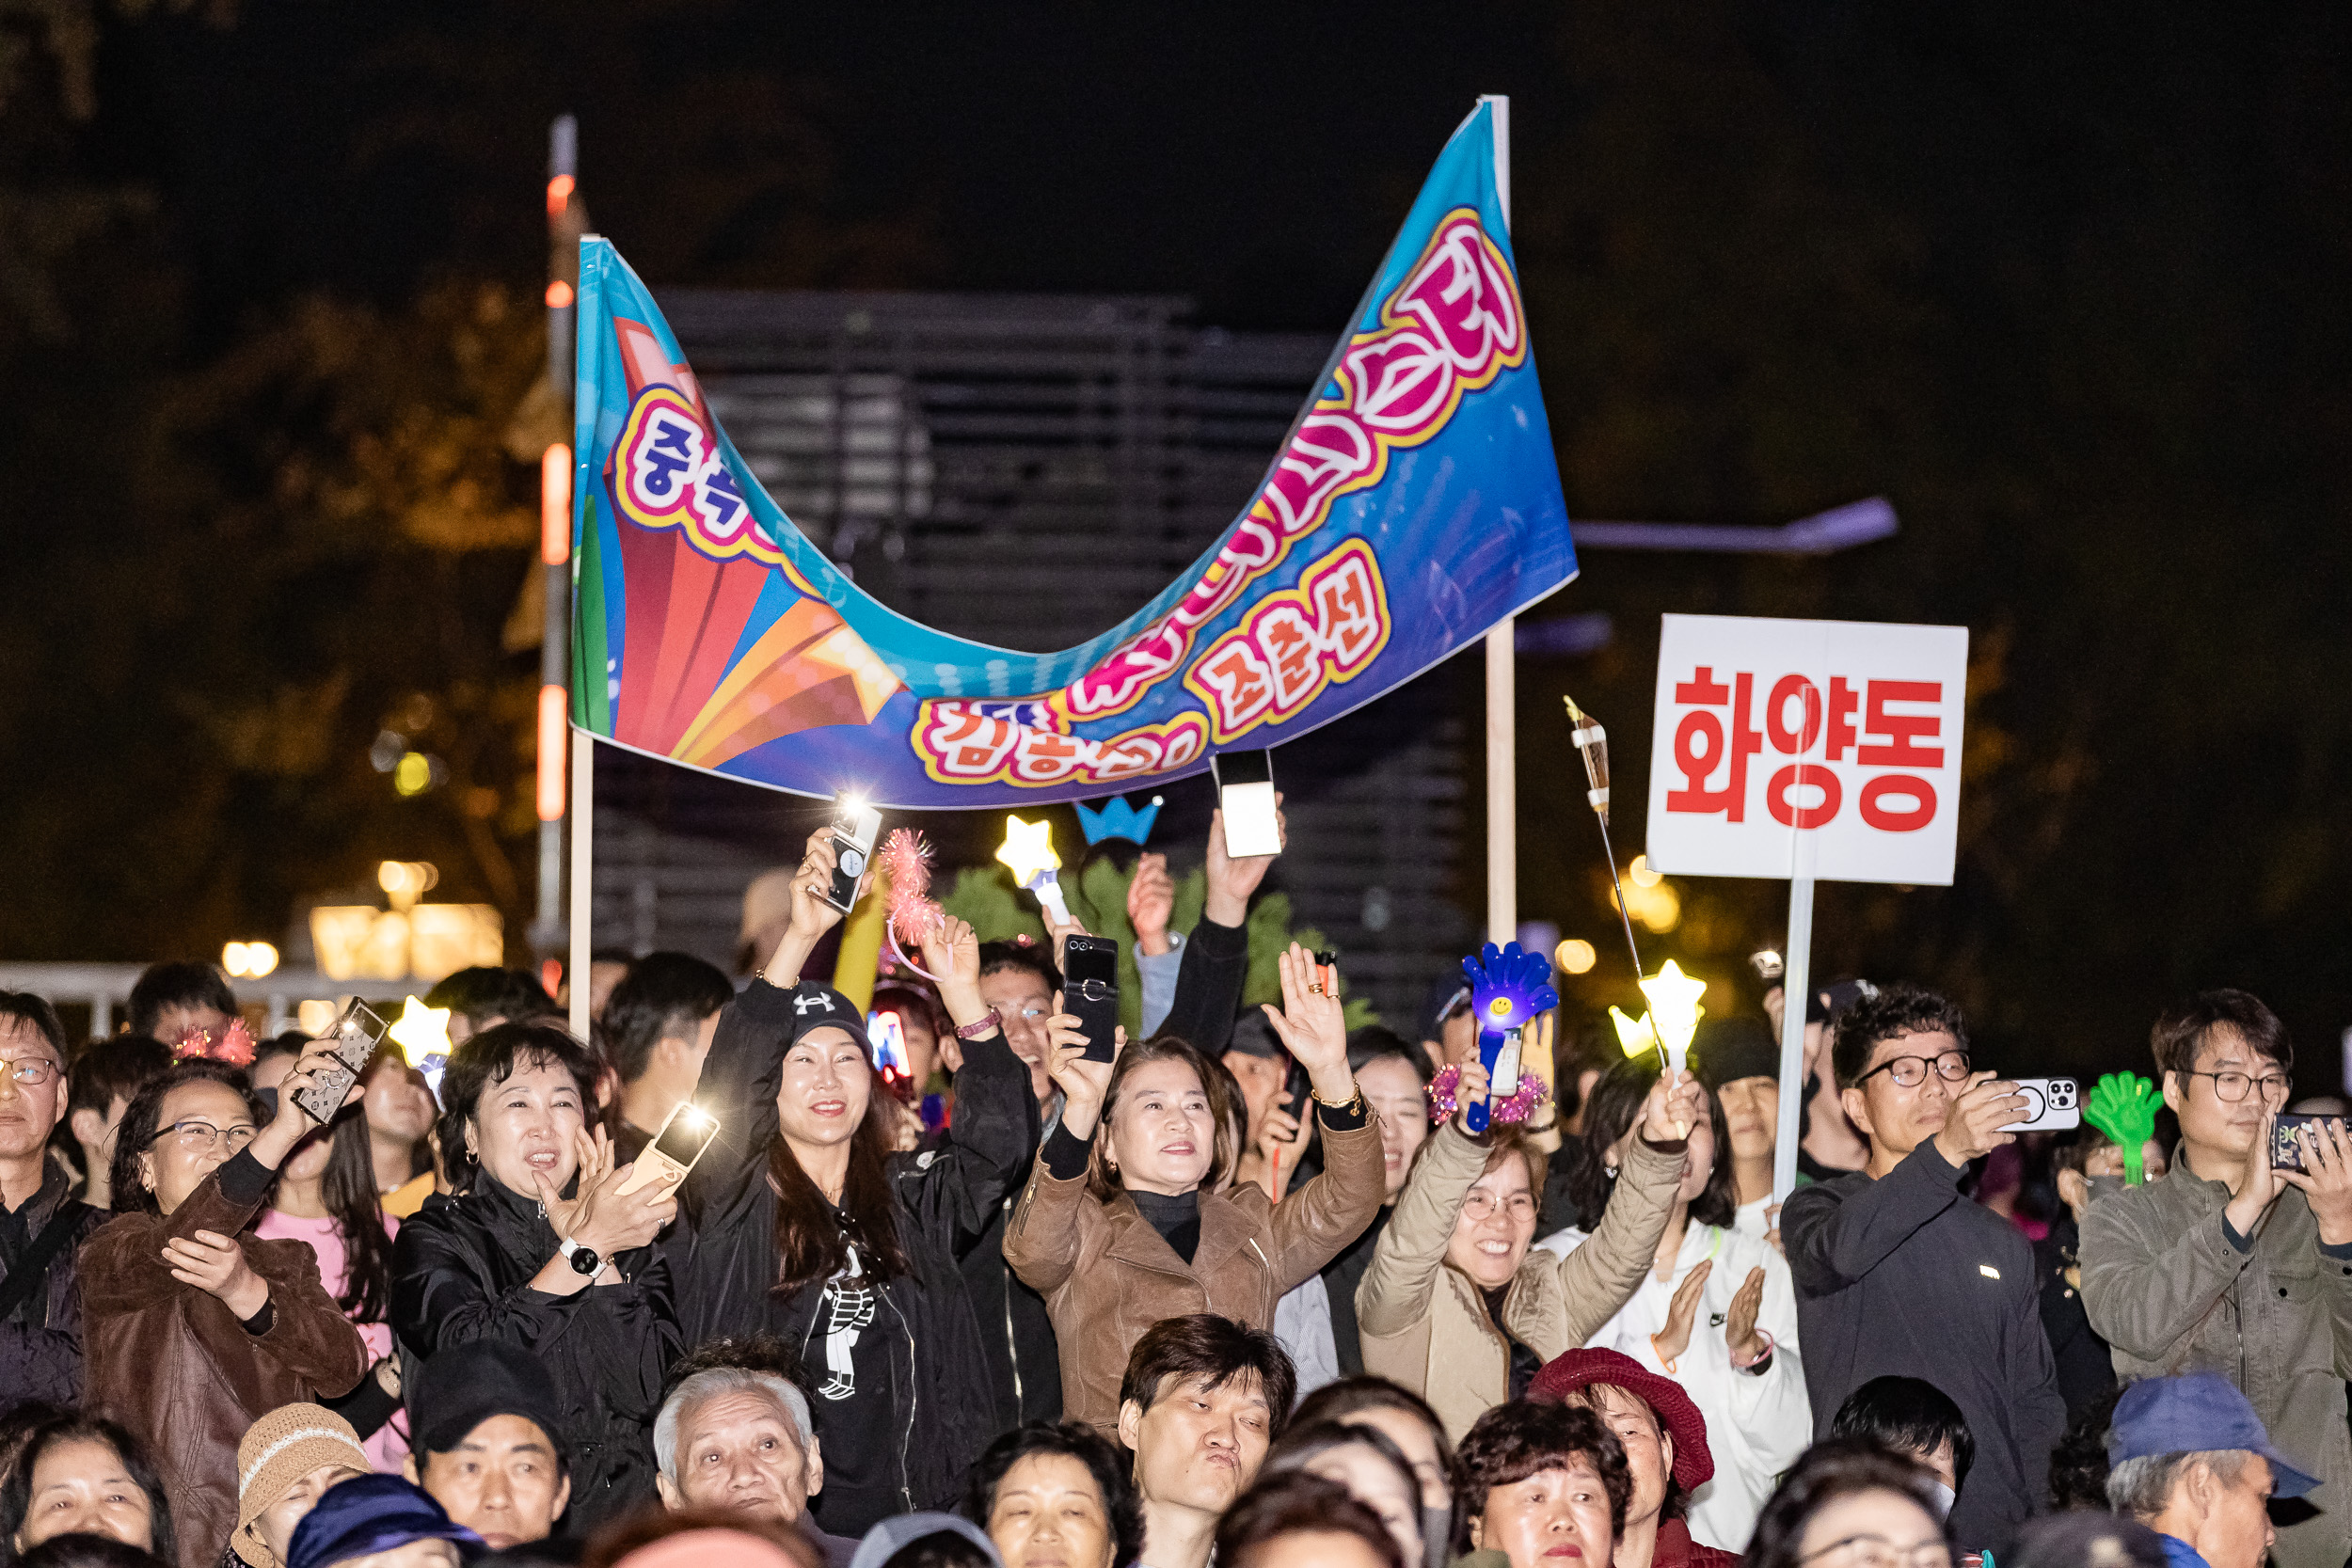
{"x":1502,"y":837}
{"x":1795,"y":989}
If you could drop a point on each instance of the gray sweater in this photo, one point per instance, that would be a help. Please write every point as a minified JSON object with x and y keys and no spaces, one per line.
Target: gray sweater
{"x":1902,"y":1276}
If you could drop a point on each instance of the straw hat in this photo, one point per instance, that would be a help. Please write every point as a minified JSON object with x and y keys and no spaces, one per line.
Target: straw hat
{"x":279,"y":1450}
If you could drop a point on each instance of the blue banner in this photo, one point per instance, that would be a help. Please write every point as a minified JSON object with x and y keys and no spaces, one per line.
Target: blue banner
{"x":1414,"y":504}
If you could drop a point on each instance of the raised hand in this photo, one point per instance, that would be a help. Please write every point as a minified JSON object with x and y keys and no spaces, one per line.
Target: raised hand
{"x":1231,"y":882}
{"x":600,"y":1216}
{"x":811,"y":916}
{"x":1771,"y":1219}
{"x":1060,"y":932}
{"x":1282,"y":1142}
{"x":1681,"y":1312}
{"x":291,"y":1123}
{"x":1675,"y":1106}
{"x":1152,"y":902}
{"x":1471,"y":1091}
{"x":2123,"y":1106}
{"x":1740,"y":1331}
{"x":1083,"y":1083}
{"x":951,"y":951}
{"x":215,"y":1265}
{"x":1973,"y":1126}
{"x":1313,"y":1025}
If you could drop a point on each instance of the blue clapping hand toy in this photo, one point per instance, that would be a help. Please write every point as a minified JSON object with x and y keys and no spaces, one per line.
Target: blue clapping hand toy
{"x":1509,"y":988}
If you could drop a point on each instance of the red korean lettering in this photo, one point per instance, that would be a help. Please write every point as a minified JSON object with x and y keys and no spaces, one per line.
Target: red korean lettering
{"x":1294,"y":654}
{"x":1843,"y":701}
{"x":1803,"y":775}
{"x":1787,"y":690}
{"x":1046,"y":755}
{"x":1902,"y":731}
{"x":1876,"y":811}
{"x":1237,"y":677}
{"x":1698,"y":763}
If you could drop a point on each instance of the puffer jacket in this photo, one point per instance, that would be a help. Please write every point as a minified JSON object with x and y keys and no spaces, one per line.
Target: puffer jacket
{"x":944,"y":1407}
{"x":462,"y":1269}
{"x":1424,"y":1324}
{"x":1107,"y":1275}
{"x":174,"y":1365}
{"x":2168,"y":1289}
{"x":41,"y":1343}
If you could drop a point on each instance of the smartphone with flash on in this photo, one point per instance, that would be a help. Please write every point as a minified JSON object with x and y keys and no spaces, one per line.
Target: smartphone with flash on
{"x":2051,"y":1104}
{"x":673,"y":1150}
{"x":854,"y":830}
{"x":1245,"y":793}
{"x":1090,"y":993}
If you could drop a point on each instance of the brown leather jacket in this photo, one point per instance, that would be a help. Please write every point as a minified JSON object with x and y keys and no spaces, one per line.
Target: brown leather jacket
{"x":1107,"y":1276}
{"x":171,"y":1362}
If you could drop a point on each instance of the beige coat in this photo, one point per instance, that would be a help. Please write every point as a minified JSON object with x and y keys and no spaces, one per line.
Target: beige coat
{"x":1107,"y":1276}
{"x":1423,"y":1320}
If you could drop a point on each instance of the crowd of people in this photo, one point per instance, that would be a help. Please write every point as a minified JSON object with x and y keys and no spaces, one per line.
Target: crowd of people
{"x":1250,"y":1288}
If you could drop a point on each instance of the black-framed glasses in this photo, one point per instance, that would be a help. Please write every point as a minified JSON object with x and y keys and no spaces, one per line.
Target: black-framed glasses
{"x":1876,"y":1551}
{"x":198,"y":1138}
{"x":1912,"y":1071}
{"x":31,"y":1071}
{"x":2229,"y":1088}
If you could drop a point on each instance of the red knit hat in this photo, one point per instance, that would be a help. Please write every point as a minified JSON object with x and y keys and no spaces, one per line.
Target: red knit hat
{"x":1577,"y":1369}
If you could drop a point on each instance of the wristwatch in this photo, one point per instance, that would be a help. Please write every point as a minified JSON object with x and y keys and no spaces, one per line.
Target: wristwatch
{"x":582,"y":1260}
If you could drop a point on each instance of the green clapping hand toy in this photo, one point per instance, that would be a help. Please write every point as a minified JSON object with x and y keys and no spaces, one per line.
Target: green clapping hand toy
{"x":2123,"y":1106}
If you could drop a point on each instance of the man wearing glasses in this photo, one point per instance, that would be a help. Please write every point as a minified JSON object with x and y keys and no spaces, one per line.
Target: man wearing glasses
{"x":2230,"y":1264}
{"x":1897,"y":1274}
{"x":41,"y":1224}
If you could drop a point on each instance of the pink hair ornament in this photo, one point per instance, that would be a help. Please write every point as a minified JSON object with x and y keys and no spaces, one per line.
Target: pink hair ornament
{"x":906,"y":860}
{"x":1532,"y":1092}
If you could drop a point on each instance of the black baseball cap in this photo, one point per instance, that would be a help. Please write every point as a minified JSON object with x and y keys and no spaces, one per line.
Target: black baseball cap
{"x":464,"y":1386}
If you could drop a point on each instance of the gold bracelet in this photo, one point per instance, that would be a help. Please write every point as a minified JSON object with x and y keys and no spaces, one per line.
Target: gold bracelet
{"x":1352,"y":1105}
{"x":793,"y":983}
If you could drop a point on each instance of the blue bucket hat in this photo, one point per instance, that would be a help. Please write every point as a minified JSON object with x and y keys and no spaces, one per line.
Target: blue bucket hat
{"x":2203,"y":1412}
{"x":371,"y":1514}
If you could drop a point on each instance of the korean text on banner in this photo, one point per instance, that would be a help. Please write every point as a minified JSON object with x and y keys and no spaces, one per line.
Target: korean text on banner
{"x":1414,"y":506}
{"x":1823,"y":750}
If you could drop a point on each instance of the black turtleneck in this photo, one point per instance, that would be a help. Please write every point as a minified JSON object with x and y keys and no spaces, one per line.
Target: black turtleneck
{"x":1177,"y":1219}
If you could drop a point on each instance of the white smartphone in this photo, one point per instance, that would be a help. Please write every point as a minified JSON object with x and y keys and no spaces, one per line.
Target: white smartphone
{"x":2051,"y":1104}
{"x":672,"y":1154}
{"x":1245,"y":793}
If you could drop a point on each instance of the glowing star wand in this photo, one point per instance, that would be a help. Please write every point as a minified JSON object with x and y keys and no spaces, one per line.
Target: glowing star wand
{"x":1028,"y":850}
{"x":1509,"y":988}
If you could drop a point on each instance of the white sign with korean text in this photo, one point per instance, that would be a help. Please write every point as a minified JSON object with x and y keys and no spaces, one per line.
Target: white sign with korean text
{"x":1820,"y":748}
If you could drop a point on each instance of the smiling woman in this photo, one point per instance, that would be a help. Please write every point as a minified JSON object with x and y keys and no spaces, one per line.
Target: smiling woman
{"x":540,"y":1247}
{"x":84,"y":1474}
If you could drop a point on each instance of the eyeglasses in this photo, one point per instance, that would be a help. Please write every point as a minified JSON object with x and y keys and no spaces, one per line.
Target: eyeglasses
{"x":1480,"y":1206}
{"x":1876,"y":1551}
{"x":203,"y":1137}
{"x":2229,"y":1088}
{"x":31,"y":1071}
{"x":1912,"y":1071}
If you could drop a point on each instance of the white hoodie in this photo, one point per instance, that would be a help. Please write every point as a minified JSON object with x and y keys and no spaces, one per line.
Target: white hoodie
{"x":1757,"y":1423}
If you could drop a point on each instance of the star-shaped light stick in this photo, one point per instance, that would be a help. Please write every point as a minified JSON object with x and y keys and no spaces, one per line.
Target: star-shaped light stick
{"x":1028,"y":850}
{"x":422,"y":1033}
{"x":1675,"y":1010}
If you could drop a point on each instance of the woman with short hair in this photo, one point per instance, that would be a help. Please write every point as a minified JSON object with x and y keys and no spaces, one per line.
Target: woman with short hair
{"x":537,"y":1245}
{"x":84,"y":1475}
{"x":1846,"y":1504}
{"x":1056,"y":1492}
{"x":1543,"y":1482}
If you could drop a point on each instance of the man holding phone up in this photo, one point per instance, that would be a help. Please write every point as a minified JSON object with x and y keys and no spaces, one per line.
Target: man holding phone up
{"x":2230,"y":1264}
{"x":1897,"y":1272}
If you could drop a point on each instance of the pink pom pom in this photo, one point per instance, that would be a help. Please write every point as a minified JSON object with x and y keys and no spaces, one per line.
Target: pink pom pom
{"x":1532,"y":1092}
{"x":906,"y":860}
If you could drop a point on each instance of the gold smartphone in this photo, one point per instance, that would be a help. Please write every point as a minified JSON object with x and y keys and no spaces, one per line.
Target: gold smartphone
{"x":670,"y":1156}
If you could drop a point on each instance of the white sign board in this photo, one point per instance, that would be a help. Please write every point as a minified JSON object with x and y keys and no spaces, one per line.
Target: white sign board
{"x":1807,"y":748}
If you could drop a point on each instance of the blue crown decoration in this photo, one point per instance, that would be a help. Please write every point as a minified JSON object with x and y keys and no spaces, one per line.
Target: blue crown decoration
{"x":1119,"y":820}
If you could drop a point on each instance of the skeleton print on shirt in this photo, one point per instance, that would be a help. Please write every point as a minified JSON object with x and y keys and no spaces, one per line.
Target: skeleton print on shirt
{"x":850,"y":1303}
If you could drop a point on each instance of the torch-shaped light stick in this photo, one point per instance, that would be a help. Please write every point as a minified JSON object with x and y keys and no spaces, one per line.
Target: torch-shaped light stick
{"x":1028,"y":850}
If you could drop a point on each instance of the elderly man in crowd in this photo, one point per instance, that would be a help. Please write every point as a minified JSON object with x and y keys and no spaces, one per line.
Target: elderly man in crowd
{"x":41,"y":1223}
{"x":2189,"y":1458}
{"x":739,"y":1440}
{"x":486,"y":1442}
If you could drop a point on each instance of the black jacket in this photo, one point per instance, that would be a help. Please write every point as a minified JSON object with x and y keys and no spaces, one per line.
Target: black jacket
{"x":942,"y":1405}
{"x":462,"y":1269}
{"x":2086,"y":1366}
{"x":41,"y":1343}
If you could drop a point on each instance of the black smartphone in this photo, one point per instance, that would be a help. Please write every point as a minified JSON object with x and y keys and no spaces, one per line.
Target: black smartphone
{"x":2286,"y":1151}
{"x":1090,"y":993}
{"x":854,"y":831}
{"x":355,"y":1037}
{"x":1245,"y":793}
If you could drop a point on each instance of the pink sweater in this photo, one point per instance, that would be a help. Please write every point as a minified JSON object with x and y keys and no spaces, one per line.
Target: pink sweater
{"x":389,"y":1445}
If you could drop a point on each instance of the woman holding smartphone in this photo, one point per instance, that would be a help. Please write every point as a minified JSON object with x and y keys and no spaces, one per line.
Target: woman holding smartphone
{"x":808,"y":1224}
{"x":538,"y":1245}
{"x":1125,"y":1220}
